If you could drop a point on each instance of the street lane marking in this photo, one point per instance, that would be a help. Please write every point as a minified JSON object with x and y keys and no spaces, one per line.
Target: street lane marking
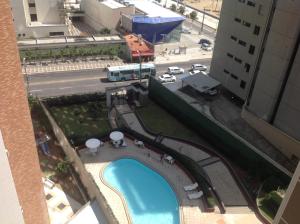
{"x":65,"y":80}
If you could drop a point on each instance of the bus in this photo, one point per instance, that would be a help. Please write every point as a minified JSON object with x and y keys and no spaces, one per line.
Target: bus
{"x":130,"y":71}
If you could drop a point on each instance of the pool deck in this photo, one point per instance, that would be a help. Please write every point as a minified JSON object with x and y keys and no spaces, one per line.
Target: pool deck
{"x":190,"y":210}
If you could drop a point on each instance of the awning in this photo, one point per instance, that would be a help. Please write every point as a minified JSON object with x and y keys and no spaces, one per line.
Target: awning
{"x":200,"y":82}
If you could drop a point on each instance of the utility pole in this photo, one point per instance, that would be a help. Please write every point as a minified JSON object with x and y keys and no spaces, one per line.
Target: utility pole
{"x":202,"y":24}
{"x":26,"y":76}
{"x":140,"y":59}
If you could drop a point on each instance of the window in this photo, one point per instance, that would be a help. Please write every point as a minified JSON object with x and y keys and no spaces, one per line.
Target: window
{"x":247,"y":24}
{"x":226,"y":71}
{"x":56,"y":33}
{"x":234,"y":76}
{"x":256,"y":30}
{"x":31,"y":5}
{"x":229,"y":55}
{"x":237,"y":20}
{"x":238,"y":60}
{"x":243,"y":43}
{"x":33,"y":17}
{"x":250,"y":3}
{"x":251,"y":49}
{"x":243,"y":84}
{"x":247,"y":67}
{"x":233,"y":38}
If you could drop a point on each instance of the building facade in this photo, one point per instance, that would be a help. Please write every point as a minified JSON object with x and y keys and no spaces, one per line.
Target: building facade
{"x":288,"y":212}
{"x":256,"y":57}
{"x":39,"y":18}
{"x":21,"y":189}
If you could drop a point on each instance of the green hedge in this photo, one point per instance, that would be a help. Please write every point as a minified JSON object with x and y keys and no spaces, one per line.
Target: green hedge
{"x":108,"y":50}
{"x":227,"y":144}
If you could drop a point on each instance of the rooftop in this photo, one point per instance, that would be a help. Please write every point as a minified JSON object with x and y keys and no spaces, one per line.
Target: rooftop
{"x":153,"y":10}
{"x":112,"y":4}
{"x":137,"y":44}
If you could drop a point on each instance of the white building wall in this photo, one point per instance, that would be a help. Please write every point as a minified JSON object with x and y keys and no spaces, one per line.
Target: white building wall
{"x":10,"y":209}
{"x":99,"y":15}
{"x":47,"y":14}
{"x":48,"y":11}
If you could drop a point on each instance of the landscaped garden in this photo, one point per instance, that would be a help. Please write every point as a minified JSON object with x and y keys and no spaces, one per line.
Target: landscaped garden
{"x":80,"y":117}
{"x":158,"y":120}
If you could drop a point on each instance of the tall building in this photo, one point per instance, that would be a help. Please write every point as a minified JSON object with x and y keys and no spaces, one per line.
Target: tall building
{"x":39,"y":18}
{"x":288,"y":212}
{"x":256,"y":57}
{"x":21,"y":190}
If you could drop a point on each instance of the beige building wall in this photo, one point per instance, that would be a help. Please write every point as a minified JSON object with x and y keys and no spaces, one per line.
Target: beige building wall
{"x":99,"y":15}
{"x":288,"y":212}
{"x":239,"y":37}
{"x":48,"y":18}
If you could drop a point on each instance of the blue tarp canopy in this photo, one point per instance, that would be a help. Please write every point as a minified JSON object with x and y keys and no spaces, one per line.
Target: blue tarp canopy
{"x":154,"y":28}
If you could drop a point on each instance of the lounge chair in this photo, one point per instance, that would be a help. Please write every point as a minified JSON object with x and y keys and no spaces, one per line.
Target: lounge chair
{"x":191,"y":187}
{"x":196,"y":195}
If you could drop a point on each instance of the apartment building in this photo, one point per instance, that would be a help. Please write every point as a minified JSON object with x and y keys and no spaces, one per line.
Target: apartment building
{"x":39,"y":18}
{"x":239,"y":39}
{"x":21,"y":190}
{"x":256,"y":58}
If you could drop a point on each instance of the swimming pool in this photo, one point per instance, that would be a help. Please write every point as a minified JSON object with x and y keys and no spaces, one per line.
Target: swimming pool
{"x":149,"y":197}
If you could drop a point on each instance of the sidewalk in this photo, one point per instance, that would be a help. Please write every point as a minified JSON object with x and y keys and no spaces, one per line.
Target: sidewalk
{"x":70,"y":66}
{"x":191,"y":54}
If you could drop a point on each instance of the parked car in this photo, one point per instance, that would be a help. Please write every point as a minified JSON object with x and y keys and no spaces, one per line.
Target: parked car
{"x":212,"y":92}
{"x":167,"y":78}
{"x":194,"y":72}
{"x":199,"y":67}
{"x":206,"y":47}
{"x":205,"y":41}
{"x":186,"y":31}
{"x":175,"y":70}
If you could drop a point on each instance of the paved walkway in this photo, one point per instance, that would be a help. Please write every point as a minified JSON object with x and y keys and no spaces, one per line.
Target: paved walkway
{"x":217,"y":172}
{"x":70,"y":66}
{"x":61,"y":207}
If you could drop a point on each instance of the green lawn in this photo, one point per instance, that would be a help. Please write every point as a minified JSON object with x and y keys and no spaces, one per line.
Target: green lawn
{"x":82,"y":121}
{"x":159,"y":120}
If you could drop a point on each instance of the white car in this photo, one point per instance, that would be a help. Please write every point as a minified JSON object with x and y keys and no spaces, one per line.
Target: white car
{"x":206,"y":47}
{"x":194,"y":72}
{"x":167,"y":78}
{"x":175,"y":70}
{"x":199,"y":67}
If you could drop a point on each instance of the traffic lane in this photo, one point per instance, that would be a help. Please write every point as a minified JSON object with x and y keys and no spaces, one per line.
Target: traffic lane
{"x":99,"y":73}
{"x":74,"y":87}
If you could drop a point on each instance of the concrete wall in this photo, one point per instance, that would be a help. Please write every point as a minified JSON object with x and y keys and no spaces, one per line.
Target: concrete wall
{"x":286,"y":144}
{"x":98,"y":15}
{"x":85,"y":177}
{"x":16,"y":126}
{"x":48,"y":12}
{"x":279,"y":48}
{"x":288,"y":212}
{"x":48,"y":19}
{"x":229,"y":28}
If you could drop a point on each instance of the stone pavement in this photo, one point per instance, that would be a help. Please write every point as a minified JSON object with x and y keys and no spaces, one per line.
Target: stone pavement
{"x":61,"y":207}
{"x":70,"y":66}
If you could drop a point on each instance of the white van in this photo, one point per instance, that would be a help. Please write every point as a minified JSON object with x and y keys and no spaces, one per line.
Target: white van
{"x":175,"y":70}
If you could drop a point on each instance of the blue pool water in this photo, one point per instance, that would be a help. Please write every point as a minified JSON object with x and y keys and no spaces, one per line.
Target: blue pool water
{"x":149,"y":197}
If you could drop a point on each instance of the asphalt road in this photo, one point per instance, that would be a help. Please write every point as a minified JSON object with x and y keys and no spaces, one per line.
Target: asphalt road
{"x":84,"y":81}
